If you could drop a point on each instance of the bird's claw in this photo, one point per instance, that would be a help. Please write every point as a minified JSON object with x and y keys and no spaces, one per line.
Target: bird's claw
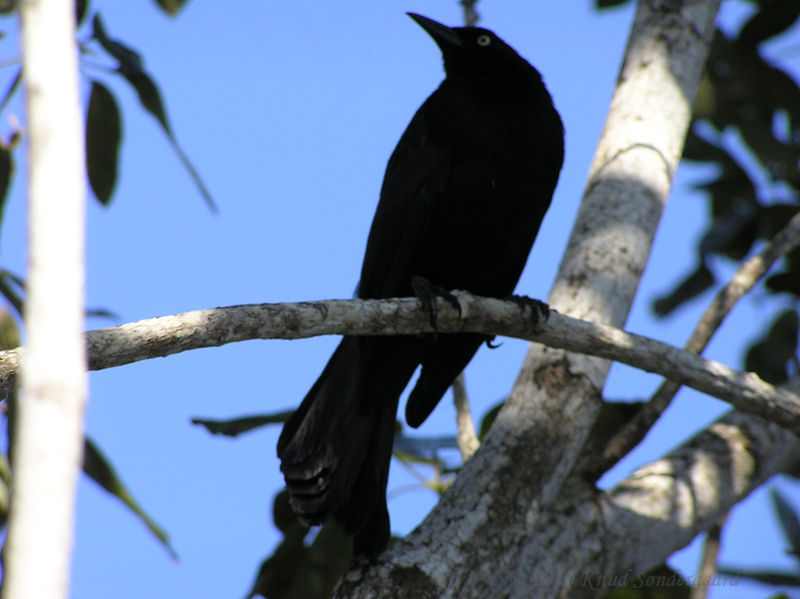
{"x":540,"y":311}
{"x":426,"y":292}
{"x":490,"y":345}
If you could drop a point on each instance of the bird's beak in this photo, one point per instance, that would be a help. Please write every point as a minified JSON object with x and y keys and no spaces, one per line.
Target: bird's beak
{"x":441,"y":34}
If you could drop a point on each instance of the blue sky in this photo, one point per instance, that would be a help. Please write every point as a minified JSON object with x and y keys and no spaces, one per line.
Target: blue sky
{"x":290,"y":111}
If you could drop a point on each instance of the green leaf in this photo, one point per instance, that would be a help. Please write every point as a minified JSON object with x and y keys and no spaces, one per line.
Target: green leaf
{"x":775,"y":217}
{"x":171,"y":7}
{"x":731,"y":192}
{"x":789,"y":519}
{"x":6,"y":172}
{"x":12,"y":287}
{"x":612,"y":417}
{"x":102,"y":313}
{"x":237,"y":426}
{"x":12,"y":88}
{"x":103,"y":135}
{"x":692,"y":286}
{"x":784,"y":283}
{"x":5,"y":488}
{"x":422,"y":449}
{"x":131,"y":68}
{"x":776,"y":157}
{"x":705,"y":100}
{"x":99,"y":469}
{"x":127,"y":57}
{"x":772,"y":19}
{"x":9,"y":330}
{"x":150,"y":98}
{"x":297,"y":570}
{"x":772,"y":577}
{"x":149,"y":95}
{"x":488,"y":419}
{"x":81,"y":10}
{"x":601,"y":4}
{"x":700,"y":149}
{"x":783,"y":91}
{"x":770,"y":356}
{"x":788,"y":279}
{"x":731,"y":235}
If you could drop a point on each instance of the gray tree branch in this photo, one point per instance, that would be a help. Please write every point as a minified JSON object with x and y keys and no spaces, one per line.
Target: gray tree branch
{"x":745,"y":278}
{"x":589,"y":542}
{"x":465,"y":437}
{"x":607,"y":539}
{"x":168,"y":335}
{"x":708,"y":561}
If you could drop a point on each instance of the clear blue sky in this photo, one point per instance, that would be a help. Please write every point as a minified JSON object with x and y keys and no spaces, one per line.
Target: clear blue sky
{"x":290,"y":111}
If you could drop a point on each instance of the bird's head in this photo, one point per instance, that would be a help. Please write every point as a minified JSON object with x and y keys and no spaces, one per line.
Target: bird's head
{"x":475,"y":52}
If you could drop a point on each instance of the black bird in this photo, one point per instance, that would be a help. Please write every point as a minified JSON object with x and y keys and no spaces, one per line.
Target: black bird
{"x":462,"y":199}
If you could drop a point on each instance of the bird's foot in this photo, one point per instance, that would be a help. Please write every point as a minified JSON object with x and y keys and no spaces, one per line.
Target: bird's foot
{"x":427,"y":293}
{"x":540,"y":311}
{"x":490,"y":345}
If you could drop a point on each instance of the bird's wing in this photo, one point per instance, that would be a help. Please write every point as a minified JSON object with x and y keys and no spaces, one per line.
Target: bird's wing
{"x":415,"y":178}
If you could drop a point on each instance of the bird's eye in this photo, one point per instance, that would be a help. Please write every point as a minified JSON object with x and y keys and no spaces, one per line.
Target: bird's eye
{"x":484,"y":40}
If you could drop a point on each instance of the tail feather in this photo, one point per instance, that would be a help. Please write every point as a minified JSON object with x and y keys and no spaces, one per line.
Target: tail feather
{"x":335,"y":449}
{"x":446,"y":359}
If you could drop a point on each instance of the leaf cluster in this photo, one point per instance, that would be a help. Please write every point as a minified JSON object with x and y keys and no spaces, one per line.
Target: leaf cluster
{"x":747,"y":126}
{"x":104,"y":135}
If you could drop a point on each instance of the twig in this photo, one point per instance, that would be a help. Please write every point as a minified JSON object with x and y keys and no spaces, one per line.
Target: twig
{"x":471,"y":16}
{"x":743,"y":281}
{"x":708,"y":563}
{"x":467,"y":439}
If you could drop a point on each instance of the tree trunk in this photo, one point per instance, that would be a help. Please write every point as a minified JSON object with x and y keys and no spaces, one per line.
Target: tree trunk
{"x":48,"y":431}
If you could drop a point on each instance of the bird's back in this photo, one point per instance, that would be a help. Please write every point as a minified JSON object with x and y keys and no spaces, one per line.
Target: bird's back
{"x":466,"y":189}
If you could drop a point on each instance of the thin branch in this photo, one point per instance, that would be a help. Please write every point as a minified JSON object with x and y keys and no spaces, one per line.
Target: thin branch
{"x":743,"y":281}
{"x":466,"y":438}
{"x":167,"y":335}
{"x":471,"y":16}
{"x":708,"y":563}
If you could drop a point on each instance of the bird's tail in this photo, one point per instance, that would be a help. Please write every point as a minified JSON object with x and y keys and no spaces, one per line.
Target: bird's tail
{"x":335,"y":449}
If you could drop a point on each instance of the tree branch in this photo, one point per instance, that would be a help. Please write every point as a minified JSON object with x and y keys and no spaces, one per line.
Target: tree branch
{"x":708,"y":561}
{"x":467,"y":439}
{"x":167,"y":335}
{"x":589,"y":541}
{"x":657,"y":510}
{"x":471,"y":16}
{"x":743,"y":281}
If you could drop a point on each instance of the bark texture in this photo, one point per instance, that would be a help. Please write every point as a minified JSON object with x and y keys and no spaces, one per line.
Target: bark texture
{"x":48,"y":429}
{"x":155,"y":337}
